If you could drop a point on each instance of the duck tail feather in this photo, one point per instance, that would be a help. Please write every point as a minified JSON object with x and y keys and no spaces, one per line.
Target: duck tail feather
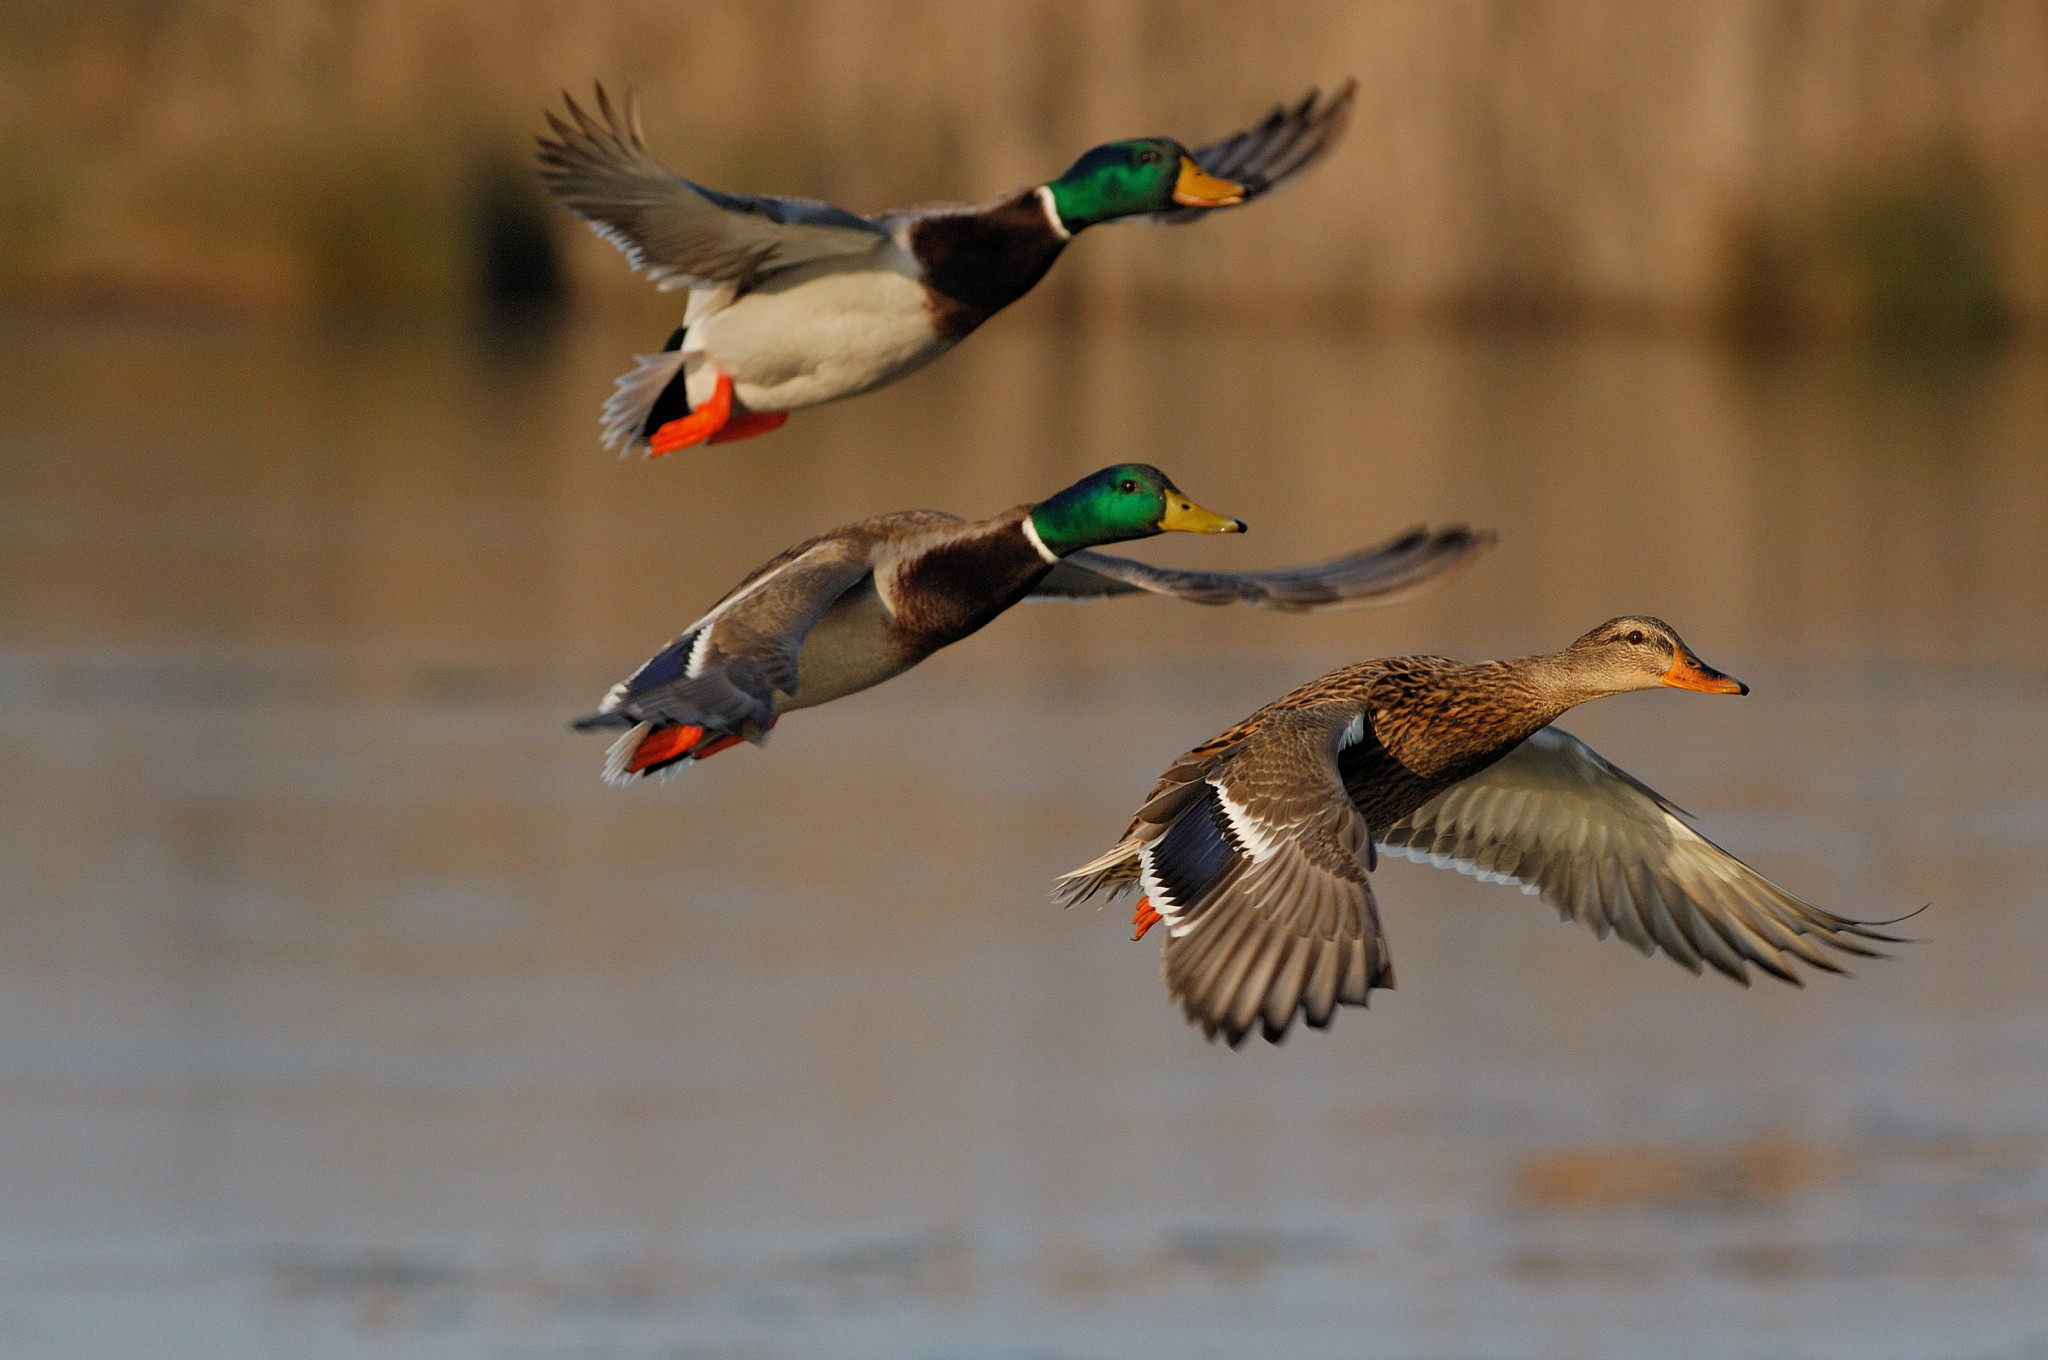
{"x":601,"y":721}
{"x":620,"y":755}
{"x":1111,"y":872}
{"x":633,"y":398}
{"x":647,"y":749}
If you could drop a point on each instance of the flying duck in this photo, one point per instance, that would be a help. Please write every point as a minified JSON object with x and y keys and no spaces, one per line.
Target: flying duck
{"x":867,"y":601}
{"x":1254,"y":848}
{"x":793,"y":302}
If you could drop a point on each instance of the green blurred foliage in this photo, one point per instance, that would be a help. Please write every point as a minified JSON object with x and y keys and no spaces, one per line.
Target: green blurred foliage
{"x":1913,"y":261}
{"x":1928,"y":261}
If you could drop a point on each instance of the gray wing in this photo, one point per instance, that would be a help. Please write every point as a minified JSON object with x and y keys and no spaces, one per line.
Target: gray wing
{"x":1554,"y":818}
{"x":1264,"y":157}
{"x":1257,"y":871}
{"x":723,"y":672}
{"x":682,"y":233}
{"x":1379,"y":575}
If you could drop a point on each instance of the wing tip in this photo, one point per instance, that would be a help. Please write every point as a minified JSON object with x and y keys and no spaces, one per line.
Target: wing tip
{"x":1218,"y":1016}
{"x":583,"y":139}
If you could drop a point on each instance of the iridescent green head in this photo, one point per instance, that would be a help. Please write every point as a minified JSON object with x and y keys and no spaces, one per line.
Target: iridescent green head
{"x":1130,"y":500}
{"x":1144,"y":175}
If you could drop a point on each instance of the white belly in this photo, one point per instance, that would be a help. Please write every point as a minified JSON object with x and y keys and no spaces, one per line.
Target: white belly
{"x":815,"y":335}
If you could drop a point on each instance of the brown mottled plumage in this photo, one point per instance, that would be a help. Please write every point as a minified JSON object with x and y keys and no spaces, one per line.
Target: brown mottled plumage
{"x":1253,"y":848}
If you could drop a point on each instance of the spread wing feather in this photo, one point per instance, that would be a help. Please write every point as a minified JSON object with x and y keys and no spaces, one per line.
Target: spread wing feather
{"x":1268,"y":155}
{"x":1556,"y":819}
{"x":1252,"y":857}
{"x":598,"y":167}
{"x":1382,"y":574}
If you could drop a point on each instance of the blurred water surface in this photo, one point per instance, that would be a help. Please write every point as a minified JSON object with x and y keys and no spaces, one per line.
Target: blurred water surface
{"x":344,"y":1012}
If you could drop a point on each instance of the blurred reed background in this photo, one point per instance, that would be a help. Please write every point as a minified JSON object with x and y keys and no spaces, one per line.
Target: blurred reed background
{"x":1771,"y":165}
{"x":344,"y":1013}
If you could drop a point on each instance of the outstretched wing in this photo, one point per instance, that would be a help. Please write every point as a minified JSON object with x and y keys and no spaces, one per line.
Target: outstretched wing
{"x":1391,"y":571}
{"x":1555,"y":818}
{"x":1256,"y":868}
{"x":723,"y":672}
{"x":599,"y":168}
{"x":1262,"y":158}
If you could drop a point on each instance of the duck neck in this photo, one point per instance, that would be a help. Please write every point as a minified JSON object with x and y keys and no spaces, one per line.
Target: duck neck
{"x":1548,"y":686}
{"x":1443,"y":722}
{"x":1074,"y":520}
{"x":965,"y":578}
{"x":979,"y":261}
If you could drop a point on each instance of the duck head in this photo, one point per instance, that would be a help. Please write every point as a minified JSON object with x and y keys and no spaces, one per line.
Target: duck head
{"x":1636,"y":651}
{"x":1143,"y":175}
{"x":1130,"y":500}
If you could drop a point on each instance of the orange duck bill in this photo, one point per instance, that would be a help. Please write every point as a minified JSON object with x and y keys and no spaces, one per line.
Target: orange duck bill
{"x":1689,"y":672}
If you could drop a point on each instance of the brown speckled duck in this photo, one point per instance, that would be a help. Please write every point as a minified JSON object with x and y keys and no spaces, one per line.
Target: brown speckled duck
{"x":1254,"y":847}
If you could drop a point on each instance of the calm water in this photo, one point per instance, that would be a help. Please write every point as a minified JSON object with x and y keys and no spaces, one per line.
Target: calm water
{"x":343,"y":1011}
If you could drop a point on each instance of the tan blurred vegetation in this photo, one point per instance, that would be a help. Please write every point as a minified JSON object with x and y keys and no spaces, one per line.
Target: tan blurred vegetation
{"x":1779,"y":164}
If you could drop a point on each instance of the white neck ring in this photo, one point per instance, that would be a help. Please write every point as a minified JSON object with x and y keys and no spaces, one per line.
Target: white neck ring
{"x":1031,"y":532}
{"x":1052,"y":213}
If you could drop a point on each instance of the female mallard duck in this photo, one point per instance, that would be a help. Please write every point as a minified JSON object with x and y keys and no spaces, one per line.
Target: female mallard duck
{"x":1254,"y":846}
{"x":794,"y":302}
{"x":868,"y":601}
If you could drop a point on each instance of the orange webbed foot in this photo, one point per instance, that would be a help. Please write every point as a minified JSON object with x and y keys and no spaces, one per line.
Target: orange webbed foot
{"x":729,"y":740}
{"x":663,"y":745}
{"x":747,"y":424}
{"x":1143,"y":918}
{"x":701,"y":424}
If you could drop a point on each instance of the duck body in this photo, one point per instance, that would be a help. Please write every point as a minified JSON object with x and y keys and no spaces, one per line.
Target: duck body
{"x":863,"y":603}
{"x":819,"y":334}
{"x":1415,"y":726}
{"x":793,"y":302}
{"x":932,"y":580}
{"x":1430,"y":723}
{"x":1254,"y":848}
{"x":841,"y":327}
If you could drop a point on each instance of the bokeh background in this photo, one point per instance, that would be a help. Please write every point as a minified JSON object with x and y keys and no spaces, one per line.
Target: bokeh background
{"x":344,"y":1013}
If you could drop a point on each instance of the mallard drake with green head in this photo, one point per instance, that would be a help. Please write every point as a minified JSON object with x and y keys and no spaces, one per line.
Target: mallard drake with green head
{"x":794,"y":302}
{"x":1254,"y":847}
{"x":867,"y":601}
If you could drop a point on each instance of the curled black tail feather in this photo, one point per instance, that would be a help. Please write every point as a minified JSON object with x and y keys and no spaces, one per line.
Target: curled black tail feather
{"x":603,"y":720}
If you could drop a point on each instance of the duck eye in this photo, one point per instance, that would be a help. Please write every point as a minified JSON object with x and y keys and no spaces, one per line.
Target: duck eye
{"x":1635,"y":637}
{"x":1128,"y":487}
{"x":1148,"y":157}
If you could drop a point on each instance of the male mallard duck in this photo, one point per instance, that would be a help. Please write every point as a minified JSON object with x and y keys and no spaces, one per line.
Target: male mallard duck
{"x":1254,"y":846}
{"x":867,"y":601}
{"x":794,"y":302}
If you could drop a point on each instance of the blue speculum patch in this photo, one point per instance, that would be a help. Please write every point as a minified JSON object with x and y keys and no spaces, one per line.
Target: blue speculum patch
{"x":1195,"y":852}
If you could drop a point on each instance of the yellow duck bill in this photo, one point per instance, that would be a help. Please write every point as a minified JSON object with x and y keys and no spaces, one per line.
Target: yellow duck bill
{"x":1184,"y":516}
{"x":1197,"y":188}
